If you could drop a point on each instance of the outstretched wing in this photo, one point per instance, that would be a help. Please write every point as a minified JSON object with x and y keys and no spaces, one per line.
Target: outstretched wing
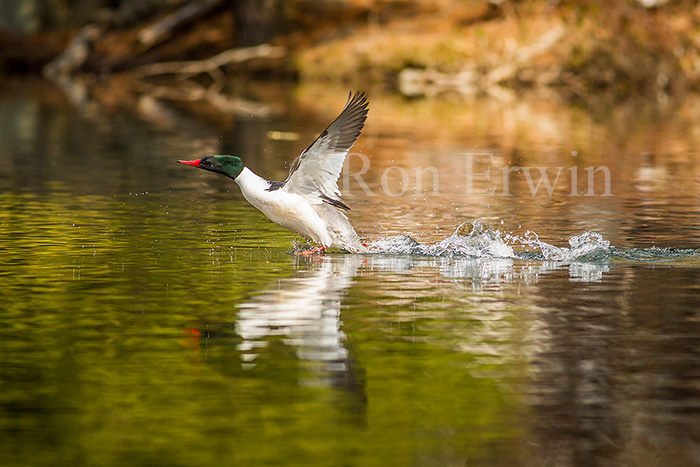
{"x":314,"y":174}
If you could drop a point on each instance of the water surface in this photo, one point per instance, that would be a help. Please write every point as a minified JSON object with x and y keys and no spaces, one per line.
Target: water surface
{"x":150,"y":316}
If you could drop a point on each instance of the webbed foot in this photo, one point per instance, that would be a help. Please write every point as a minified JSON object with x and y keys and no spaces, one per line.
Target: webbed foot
{"x":313,"y":251}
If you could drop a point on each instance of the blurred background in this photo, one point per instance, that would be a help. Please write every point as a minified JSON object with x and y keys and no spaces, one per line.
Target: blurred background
{"x":418,"y":47}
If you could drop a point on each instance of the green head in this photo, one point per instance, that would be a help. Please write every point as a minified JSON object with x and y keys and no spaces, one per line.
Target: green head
{"x":231,"y":166}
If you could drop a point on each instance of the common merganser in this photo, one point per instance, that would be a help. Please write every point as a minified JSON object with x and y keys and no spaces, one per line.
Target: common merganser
{"x":306,"y":201}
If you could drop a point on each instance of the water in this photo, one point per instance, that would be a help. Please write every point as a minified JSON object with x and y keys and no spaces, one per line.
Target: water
{"x":151,"y":317}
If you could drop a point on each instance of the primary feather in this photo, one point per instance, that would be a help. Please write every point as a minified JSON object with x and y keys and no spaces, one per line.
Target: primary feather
{"x":314,"y":174}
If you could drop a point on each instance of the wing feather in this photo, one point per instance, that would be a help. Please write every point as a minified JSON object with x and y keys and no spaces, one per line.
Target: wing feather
{"x":314,"y":174}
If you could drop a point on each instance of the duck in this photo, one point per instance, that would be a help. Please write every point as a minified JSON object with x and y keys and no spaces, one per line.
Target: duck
{"x":308,"y":202}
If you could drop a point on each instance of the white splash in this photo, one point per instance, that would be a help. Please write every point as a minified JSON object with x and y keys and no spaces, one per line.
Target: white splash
{"x":469,"y":240}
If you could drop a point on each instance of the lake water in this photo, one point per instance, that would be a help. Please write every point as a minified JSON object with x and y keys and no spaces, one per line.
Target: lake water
{"x":150,"y":316}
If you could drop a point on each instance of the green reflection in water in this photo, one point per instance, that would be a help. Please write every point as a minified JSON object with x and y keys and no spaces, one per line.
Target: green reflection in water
{"x":119,"y":343}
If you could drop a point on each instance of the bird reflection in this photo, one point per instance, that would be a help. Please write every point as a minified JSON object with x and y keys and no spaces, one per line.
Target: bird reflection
{"x":304,"y":311}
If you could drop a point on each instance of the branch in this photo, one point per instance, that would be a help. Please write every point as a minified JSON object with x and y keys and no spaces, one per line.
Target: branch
{"x":165,"y":27}
{"x":212,"y":64}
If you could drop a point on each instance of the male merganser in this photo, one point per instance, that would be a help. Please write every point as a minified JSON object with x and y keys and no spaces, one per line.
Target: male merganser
{"x":306,"y":201}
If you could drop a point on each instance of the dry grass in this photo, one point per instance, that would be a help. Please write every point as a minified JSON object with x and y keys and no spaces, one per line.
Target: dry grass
{"x":617,"y":45}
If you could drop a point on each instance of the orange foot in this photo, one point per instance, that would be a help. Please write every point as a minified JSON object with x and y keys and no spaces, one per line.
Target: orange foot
{"x":313,"y":251}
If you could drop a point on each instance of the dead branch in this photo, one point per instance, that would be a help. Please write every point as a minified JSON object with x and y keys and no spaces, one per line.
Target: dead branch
{"x":210,"y":65}
{"x":184,"y":16}
{"x":75,"y":54}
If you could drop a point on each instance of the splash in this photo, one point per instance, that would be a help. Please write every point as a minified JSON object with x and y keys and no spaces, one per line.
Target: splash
{"x":476,"y":240}
{"x":469,"y":240}
{"x":587,"y":247}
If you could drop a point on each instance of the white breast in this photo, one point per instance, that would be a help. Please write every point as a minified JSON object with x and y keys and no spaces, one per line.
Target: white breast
{"x":288,"y":210}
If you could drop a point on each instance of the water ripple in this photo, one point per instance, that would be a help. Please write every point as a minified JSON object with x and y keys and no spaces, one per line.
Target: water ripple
{"x":477,"y":240}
